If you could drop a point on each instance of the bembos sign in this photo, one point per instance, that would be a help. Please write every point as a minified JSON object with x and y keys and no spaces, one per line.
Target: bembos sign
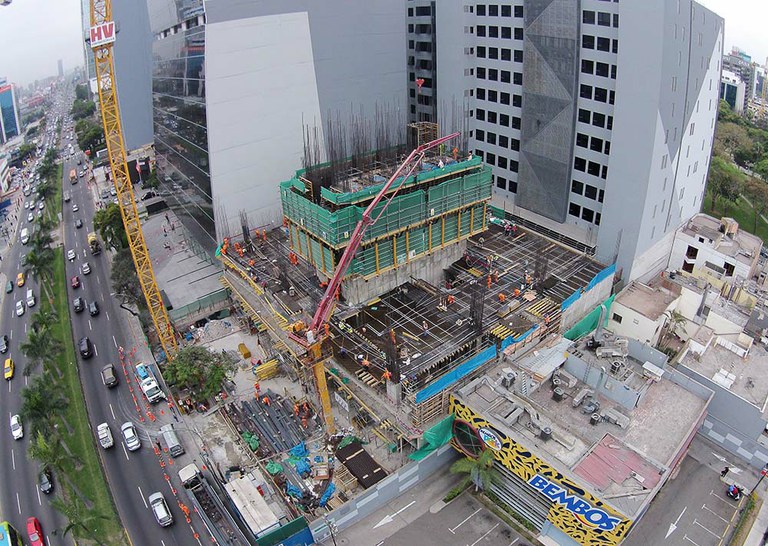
{"x":103,"y":34}
{"x":580,"y":508}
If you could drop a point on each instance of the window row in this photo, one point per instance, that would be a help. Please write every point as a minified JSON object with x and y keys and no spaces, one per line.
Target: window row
{"x":505,"y":184}
{"x":504,"y":76}
{"x":420,"y":29}
{"x":584,"y":213}
{"x":601,"y":18}
{"x":506,"y":53}
{"x":497,"y":140}
{"x":499,"y":161}
{"x":595,"y":144}
{"x":493,"y":10}
{"x":599,"y":43}
{"x":596,"y":118}
{"x":598,"y":94}
{"x":421,"y":11}
{"x":496,"y":118}
{"x":493,"y":31}
{"x":590,"y":192}
{"x":590,"y":167}
{"x":598,"y":69}
{"x":502,"y":97}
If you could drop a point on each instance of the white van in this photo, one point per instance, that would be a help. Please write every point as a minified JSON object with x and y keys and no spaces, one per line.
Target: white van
{"x":171,"y":441}
{"x":30,"y":298}
{"x":24,"y":236}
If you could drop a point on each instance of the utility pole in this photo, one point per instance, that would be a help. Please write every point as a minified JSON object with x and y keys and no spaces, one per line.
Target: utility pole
{"x":763,"y":472}
{"x":331,"y":528}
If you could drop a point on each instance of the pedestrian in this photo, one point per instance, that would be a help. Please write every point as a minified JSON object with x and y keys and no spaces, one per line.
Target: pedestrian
{"x":724,"y":472}
{"x":166,"y":218}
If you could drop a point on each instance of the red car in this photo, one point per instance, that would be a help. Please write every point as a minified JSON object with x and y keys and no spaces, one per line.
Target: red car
{"x":35,"y":532}
{"x":75,"y":282}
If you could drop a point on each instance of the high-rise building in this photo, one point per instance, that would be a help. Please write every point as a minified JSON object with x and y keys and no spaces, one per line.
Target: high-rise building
{"x":740,"y":64}
{"x":597,"y":117}
{"x":10,"y":123}
{"x":61,"y":68}
{"x":239,"y":86}
{"x":733,"y":90}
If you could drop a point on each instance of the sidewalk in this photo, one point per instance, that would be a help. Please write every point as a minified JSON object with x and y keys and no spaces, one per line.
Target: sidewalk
{"x":759,"y":533}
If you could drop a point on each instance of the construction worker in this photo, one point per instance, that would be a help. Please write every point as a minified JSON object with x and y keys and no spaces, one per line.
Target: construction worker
{"x":266,"y":401}
{"x":327,"y":329}
{"x":546,"y":319}
{"x":502,"y":298}
{"x":257,"y":388}
{"x":450,"y":299}
{"x":455,"y":154}
{"x":264,"y":234}
{"x":517,"y":292}
{"x":304,"y":422}
{"x":366,"y":364}
{"x":296,"y":409}
{"x":488,"y":284}
{"x":386,"y":376}
{"x":425,"y":328}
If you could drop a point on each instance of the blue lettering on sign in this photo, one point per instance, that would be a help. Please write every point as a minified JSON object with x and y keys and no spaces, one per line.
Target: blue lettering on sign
{"x":576,"y":505}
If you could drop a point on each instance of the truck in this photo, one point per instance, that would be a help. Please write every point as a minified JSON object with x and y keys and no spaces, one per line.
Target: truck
{"x":210,"y":507}
{"x":93,"y":243}
{"x":73,"y":176}
{"x":148,"y":383}
{"x":105,"y":436}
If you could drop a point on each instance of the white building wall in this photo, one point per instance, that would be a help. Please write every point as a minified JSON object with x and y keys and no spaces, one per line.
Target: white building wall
{"x":633,"y":324}
{"x":706,"y":253}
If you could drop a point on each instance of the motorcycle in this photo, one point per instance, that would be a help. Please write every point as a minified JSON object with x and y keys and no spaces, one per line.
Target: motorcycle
{"x":734,"y":492}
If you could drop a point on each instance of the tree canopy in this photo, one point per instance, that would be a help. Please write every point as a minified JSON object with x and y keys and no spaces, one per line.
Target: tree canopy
{"x":200,"y":370}
{"x":125,"y":281}
{"x":109,"y":223}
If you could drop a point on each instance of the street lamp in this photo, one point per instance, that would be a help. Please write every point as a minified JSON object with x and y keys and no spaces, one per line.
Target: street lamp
{"x":763,"y":472}
{"x":331,"y":528}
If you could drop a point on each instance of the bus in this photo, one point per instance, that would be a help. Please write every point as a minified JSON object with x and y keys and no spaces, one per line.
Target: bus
{"x":9,"y":536}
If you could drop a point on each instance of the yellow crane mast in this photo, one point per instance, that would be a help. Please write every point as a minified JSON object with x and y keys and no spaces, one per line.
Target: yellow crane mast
{"x":102,"y":39}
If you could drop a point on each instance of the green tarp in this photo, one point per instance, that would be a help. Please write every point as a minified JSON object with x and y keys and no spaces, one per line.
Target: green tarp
{"x":435,"y":437}
{"x":589,"y":323}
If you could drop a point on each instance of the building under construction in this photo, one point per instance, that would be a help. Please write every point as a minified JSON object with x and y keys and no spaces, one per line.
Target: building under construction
{"x":423,"y":230}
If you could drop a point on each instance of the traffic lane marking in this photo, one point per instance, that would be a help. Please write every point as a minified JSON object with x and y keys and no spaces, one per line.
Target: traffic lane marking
{"x":465,"y":520}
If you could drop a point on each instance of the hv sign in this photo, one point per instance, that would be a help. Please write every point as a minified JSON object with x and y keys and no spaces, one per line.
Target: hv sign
{"x":103,"y":34}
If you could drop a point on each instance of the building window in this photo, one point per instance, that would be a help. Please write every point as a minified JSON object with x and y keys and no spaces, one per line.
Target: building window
{"x":692,"y":252}
{"x":501,"y":182}
{"x":602,"y":69}
{"x":580,"y":164}
{"x":490,"y":158}
{"x":491,"y":138}
{"x":513,"y":166}
{"x":518,"y":34}
{"x":615,"y":48}
{"x":505,"y":76}
{"x":588,"y":17}
{"x":493,"y":74}
{"x":596,"y":144}
{"x":587,"y":67}
{"x":480,"y":135}
{"x":517,"y":100}
{"x":518,"y":56}
{"x":504,"y":99}
{"x":506,"y":54}
{"x":598,"y":119}
{"x":603,"y":19}
{"x":518,"y":11}
{"x":493,"y":52}
{"x":493,"y":95}
{"x":601,"y":95}
{"x":603,"y":44}
{"x":516,"y":122}
{"x":502,"y":162}
{"x":600,"y":196}
{"x":582,"y":140}
{"x":480,"y":72}
{"x":585,"y":91}
{"x":506,"y":11}
{"x":503,"y":141}
{"x":481,"y":30}
{"x":588,"y":42}
{"x":598,"y":216}
{"x":514,"y":144}
{"x":493,"y":32}
{"x":574,"y":210}
{"x":480,"y":114}
{"x":480,"y":93}
{"x":616,"y":318}
{"x":587,"y":214}
{"x":493,"y":10}
{"x":584,"y":115}
{"x":504,"y":120}
{"x":506,"y":33}
{"x":577,"y":187}
{"x":593,"y":168}
{"x":590,"y":192}
{"x":492,"y":116}
{"x":513,"y":186}
{"x":616,"y":20}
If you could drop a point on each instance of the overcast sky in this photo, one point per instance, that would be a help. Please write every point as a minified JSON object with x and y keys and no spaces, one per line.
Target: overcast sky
{"x":34,"y":34}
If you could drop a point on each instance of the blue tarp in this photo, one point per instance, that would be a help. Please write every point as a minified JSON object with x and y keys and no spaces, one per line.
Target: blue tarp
{"x":328,"y":494}
{"x":293,"y":491}
{"x":570,"y":300}
{"x":457,"y":373}
{"x":601,"y":276}
{"x":512,"y":339}
{"x":299,"y":450}
{"x":302,"y":467}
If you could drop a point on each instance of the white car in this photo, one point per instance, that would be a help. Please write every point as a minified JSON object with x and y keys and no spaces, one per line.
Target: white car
{"x":30,"y":217}
{"x":17,"y":429}
{"x":71,"y":255}
{"x":75,"y":208}
{"x":26,"y":204}
{"x":86,"y":268}
{"x":132,"y":441}
{"x":19,"y":308}
{"x":41,"y":205}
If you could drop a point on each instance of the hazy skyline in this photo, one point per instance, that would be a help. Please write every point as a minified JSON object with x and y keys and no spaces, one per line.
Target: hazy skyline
{"x":55,"y":30}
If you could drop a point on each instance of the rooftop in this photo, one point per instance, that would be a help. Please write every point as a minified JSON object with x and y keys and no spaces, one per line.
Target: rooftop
{"x":621,"y":457}
{"x":744,"y":377}
{"x":725,"y":235}
{"x":649,"y":301}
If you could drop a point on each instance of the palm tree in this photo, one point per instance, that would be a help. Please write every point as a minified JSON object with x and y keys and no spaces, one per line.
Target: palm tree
{"x":39,"y":262}
{"x":479,"y":470}
{"x":78,"y":516}
{"x":40,"y":346}
{"x":49,"y":455}
{"x":40,"y":402}
{"x":42,"y":239}
{"x":673,"y":320}
{"x":44,"y":319}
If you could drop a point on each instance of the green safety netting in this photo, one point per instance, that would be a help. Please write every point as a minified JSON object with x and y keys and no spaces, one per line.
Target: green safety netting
{"x":435,"y":437}
{"x":589,"y":323}
{"x":252,"y":440}
{"x":348,"y":440}
{"x":274,"y":468}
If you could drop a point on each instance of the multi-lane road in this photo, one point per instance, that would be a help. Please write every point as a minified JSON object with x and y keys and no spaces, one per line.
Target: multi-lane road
{"x":132,"y":476}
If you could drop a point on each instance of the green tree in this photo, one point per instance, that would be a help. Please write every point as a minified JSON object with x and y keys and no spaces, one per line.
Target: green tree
{"x":83,"y":109}
{"x":44,"y":319}
{"x":724,"y":181}
{"x":81,"y":92}
{"x":757,"y":192}
{"x":39,"y":262}
{"x":39,"y":347}
{"x":79,"y":517}
{"x":761,"y":168}
{"x":672,"y":321}
{"x":199,"y":369}
{"x":479,"y":470}
{"x":49,"y":453}
{"x":125,"y":281}
{"x":41,"y":401}
{"x":26,"y":150}
{"x":109,"y":223}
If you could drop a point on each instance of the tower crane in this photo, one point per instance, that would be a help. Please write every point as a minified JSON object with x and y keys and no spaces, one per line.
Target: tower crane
{"x":312,"y":336}
{"x":102,"y":39}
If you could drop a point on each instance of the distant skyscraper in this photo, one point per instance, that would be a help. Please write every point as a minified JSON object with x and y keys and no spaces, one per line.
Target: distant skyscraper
{"x":10,"y":125}
{"x":61,"y":68}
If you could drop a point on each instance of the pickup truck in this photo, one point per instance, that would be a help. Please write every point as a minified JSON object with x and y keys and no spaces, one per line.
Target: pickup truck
{"x":105,"y":436}
{"x":148,"y":383}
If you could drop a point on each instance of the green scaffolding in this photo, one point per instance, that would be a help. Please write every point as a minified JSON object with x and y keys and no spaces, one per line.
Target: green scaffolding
{"x":589,"y":323}
{"x":454,"y":209}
